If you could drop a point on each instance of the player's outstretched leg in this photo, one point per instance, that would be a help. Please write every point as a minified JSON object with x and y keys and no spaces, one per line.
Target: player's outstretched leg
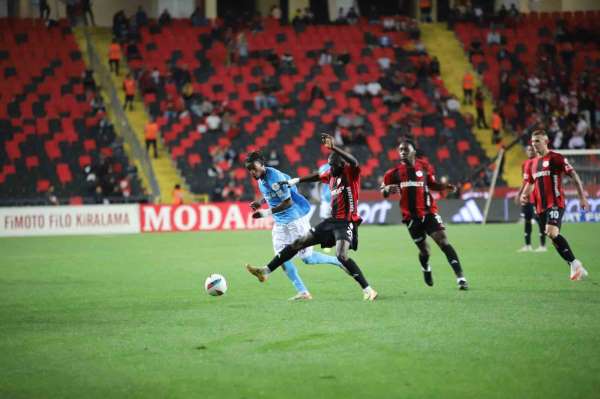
{"x":442,"y":241}
{"x":563,"y":248}
{"x":287,"y":253}
{"x":424,"y":260}
{"x":292,"y":273}
{"x":342,"y":248}
{"x":317,"y":258}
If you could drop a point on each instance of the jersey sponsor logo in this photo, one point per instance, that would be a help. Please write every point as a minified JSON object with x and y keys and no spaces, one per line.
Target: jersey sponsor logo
{"x":541,"y":174}
{"x":412,"y":183}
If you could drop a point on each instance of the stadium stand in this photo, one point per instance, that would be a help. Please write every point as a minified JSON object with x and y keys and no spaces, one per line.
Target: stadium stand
{"x":538,"y":65}
{"x":286,"y":91}
{"x":56,"y":145}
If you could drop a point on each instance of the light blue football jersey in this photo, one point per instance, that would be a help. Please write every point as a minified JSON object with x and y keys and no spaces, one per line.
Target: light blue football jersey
{"x":325,"y":191}
{"x":275,"y":194}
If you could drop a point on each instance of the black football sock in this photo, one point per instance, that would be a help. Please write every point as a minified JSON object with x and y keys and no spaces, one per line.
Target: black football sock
{"x":284,"y":255}
{"x":453,"y":259}
{"x":424,"y":259}
{"x":563,"y":248}
{"x":354,"y":271}
{"x":527,"y":232}
{"x":542,"y":236}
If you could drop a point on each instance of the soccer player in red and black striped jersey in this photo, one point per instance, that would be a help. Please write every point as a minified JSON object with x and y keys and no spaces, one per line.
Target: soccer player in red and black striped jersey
{"x":414,"y":178}
{"x":528,"y":210}
{"x":545,"y":174}
{"x":341,"y":229}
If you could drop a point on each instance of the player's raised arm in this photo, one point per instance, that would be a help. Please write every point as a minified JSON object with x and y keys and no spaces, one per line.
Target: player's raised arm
{"x":327,"y":141}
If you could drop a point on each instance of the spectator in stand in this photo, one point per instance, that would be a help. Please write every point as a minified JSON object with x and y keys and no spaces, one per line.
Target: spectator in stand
{"x":197,"y":18}
{"x":298,"y":20}
{"x":479,"y":107}
{"x":504,"y":86}
{"x":513,"y":12}
{"x":325,"y":58}
{"x":141,"y":18}
{"x":275,"y":12}
{"x":452,"y":104}
{"x":352,"y":16}
{"x":496,"y":126}
{"x":425,"y":8}
{"x":129,"y":89}
{"x":273,"y":160}
{"x":384,"y":63}
{"x":389,"y":24}
{"x":44,"y":10}
{"x":260,"y":101}
{"x":151,"y":135}
{"x":165,"y":18}
{"x":384,"y":41}
{"x":86,"y":9}
{"x":51,"y":198}
{"x":534,"y":88}
{"x":434,"y":67}
{"x":242,"y":48}
{"x":213,"y":122}
{"x":493,"y":36}
{"x":309,"y":16}
{"x":360,"y":89}
{"x":316,"y":93}
{"x":232,"y":192}
{"x":114,"y":56}
{"x":89,"y":84}
{"x":341,"y":17}
{"x":468,"y":85}
{"x":177,"y":195}
{"x":374,"y":88}
{"x":133,"y":52}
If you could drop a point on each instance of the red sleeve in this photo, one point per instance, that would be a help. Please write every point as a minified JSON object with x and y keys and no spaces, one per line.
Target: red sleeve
{"x":388,"y":178}
{"x":430,"y":174}
{"x":324,"y":177}
{"x":562,"y":164}
{"x":525,"y":171}
{"x":527,"y":175}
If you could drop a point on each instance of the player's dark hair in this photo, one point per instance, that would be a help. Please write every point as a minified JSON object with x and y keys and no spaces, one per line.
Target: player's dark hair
{"x":406,"y":140}
{"x":253,"y":157}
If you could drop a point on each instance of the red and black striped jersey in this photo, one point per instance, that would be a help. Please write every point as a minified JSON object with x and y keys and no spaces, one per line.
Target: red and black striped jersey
{"x":525,"y":171}
{"x":546,"y":174}
{"x":416,"y":200}
{"x":344,"y":192}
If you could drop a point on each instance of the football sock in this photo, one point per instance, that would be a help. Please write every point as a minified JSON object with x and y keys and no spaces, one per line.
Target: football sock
{"x":317,"y":258}
{"x":542,"y":236}
{"x":563,"y":248}
{"x":527,"y":232}
{"x":453,"y":259}
{"x":355,"y":272}
{"x":292,"y":273}
{"x":284,"y":255}
{"x":424,"y":259}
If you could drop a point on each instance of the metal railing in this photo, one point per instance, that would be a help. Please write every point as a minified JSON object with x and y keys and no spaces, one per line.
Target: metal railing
{"x":121,"y":122}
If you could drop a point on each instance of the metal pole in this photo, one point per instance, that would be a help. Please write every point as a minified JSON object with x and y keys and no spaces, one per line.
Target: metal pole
{"x":488,"y":202}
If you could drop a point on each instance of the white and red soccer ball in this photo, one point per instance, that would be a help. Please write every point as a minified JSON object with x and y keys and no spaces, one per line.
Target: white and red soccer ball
{"x":215,"y":285}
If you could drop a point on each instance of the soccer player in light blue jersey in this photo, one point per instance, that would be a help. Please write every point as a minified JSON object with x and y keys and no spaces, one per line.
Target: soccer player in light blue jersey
{"x":325,"y":194}
{"x":290,"y":214}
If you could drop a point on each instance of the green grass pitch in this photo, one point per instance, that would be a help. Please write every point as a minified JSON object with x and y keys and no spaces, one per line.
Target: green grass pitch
{"x":127,"y":317}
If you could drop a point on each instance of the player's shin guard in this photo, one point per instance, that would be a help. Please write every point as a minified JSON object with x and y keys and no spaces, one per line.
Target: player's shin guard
{"x":563,"y":248}
{"x":354,"y":271}
{"x":284,"y":255}
{"x":292,"y":273}
{"x":453,"y":260}
{"x":527,"y":232}
{"x":424,"y":259}
{"x":318,"y":258}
